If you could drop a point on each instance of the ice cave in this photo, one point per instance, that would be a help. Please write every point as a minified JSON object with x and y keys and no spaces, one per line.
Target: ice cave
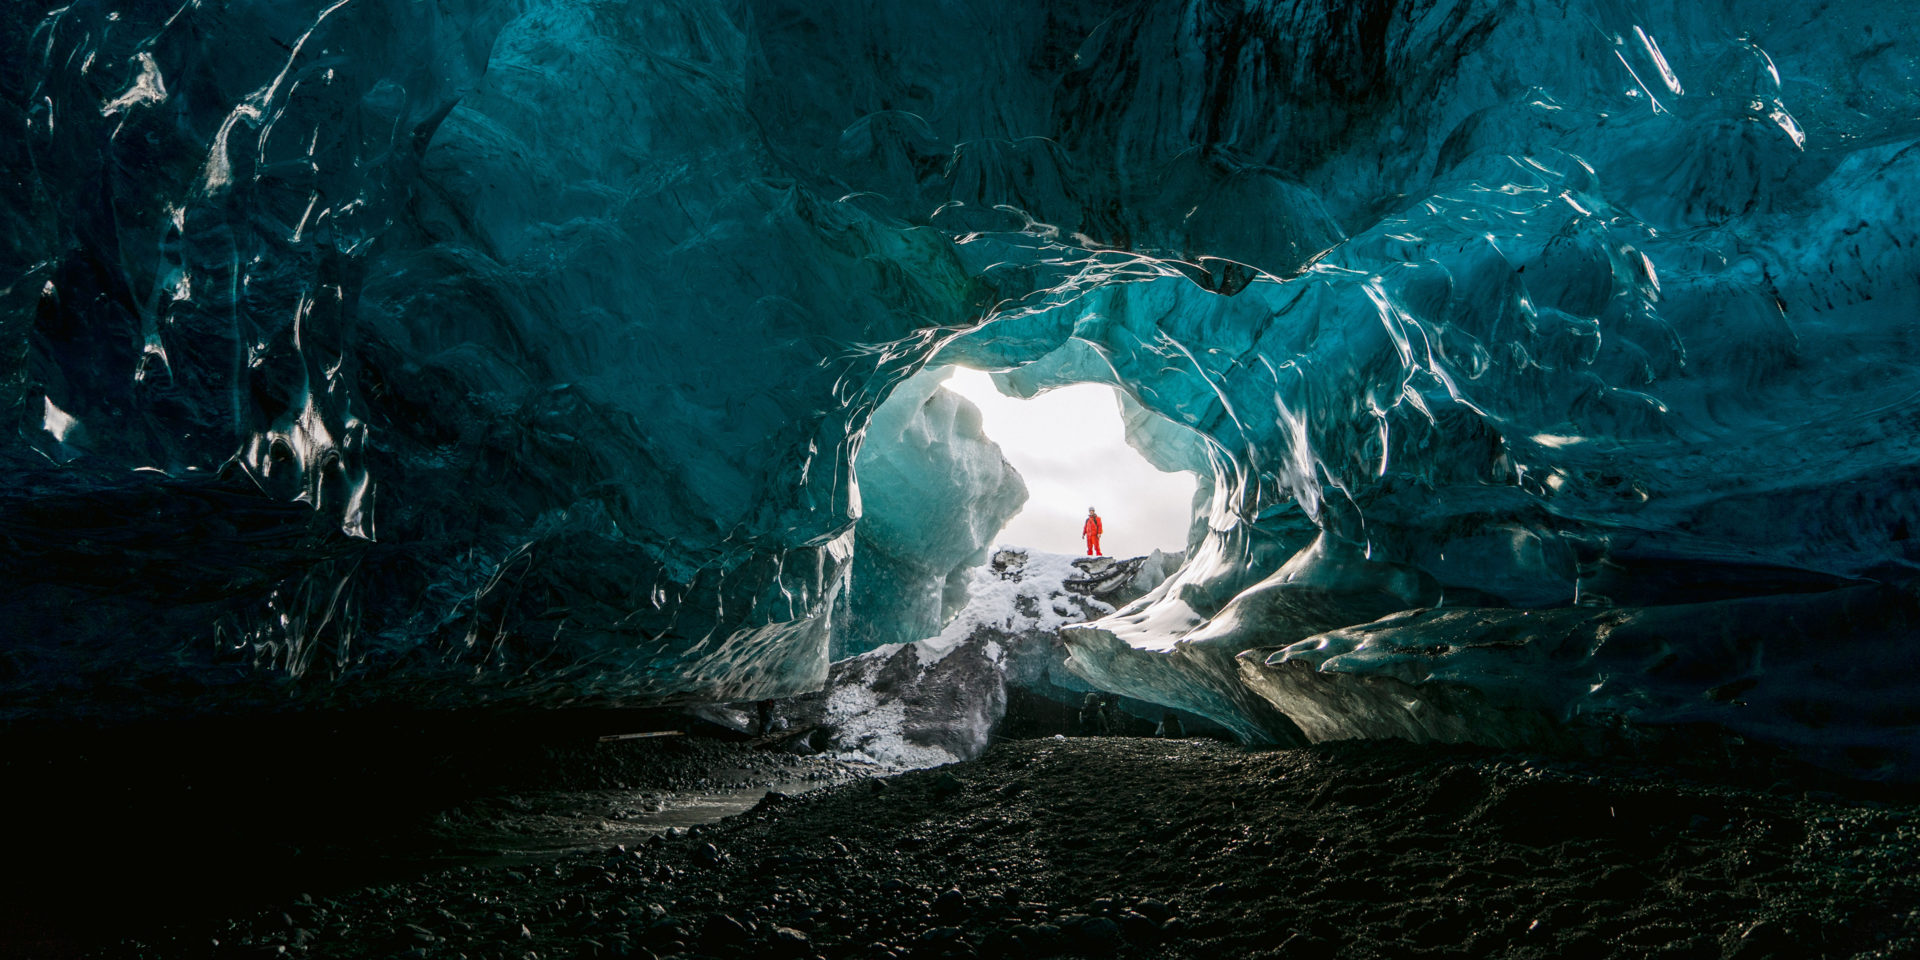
{"x":401,"y":380}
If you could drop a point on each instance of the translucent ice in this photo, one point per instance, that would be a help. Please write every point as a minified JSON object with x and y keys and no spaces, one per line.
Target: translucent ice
{"x":934,"y":493}
{"x":428,"y":354}
{"x":475,"y":353}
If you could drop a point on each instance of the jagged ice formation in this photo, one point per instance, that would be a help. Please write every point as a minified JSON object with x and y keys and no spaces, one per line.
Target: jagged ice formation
{"x":934,"y":492}
{"x":369,"y":351}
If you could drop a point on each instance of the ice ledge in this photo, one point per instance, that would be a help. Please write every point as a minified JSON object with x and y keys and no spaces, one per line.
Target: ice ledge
{"x":1824,"y":676}
{"x":1198,"y":676}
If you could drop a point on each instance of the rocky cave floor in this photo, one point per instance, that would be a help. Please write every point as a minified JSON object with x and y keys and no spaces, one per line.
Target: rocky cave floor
{"x":1126,"y":847}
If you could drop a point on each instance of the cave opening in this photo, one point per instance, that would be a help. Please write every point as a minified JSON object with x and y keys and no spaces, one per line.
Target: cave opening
{"x":1069,"y":446}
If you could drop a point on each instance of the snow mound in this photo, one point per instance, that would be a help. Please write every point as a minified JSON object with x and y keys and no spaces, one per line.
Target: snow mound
{"x":939,"y":700}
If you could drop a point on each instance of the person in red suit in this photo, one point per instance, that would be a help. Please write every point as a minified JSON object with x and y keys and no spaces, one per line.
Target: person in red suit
{"x":1091,"y":530}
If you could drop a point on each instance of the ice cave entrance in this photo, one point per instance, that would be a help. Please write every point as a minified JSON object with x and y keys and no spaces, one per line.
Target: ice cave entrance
{"x":1069,"y":445}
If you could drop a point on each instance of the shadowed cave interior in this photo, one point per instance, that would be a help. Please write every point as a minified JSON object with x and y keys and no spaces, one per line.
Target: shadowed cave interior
{"x":406,"y":396}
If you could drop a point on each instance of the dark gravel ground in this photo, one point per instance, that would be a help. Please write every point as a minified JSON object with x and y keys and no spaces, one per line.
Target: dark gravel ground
{"x":117,"y":833}
{"x":1174,"y":849}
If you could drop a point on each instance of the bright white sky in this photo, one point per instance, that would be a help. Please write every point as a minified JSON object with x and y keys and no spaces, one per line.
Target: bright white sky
{"x":1070,"y":447}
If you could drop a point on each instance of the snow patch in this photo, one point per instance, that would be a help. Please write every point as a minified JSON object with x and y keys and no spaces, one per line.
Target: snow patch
{"x":938,"y":700}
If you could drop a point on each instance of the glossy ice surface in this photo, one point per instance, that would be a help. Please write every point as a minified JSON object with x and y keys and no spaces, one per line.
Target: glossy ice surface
{"x":482,"y":352}
{"x":934,"y":492}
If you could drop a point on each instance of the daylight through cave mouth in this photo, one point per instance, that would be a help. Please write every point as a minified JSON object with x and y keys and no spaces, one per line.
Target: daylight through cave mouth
{"x":946,"y":475}
{"x":1070,"y":447}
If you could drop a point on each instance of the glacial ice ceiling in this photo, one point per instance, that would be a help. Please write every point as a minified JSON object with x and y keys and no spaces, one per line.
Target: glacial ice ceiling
{"x":519,"y":353}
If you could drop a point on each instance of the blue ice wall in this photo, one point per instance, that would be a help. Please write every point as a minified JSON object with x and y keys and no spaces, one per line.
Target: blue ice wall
{"x":519,"y":352}
{"x":430,"y":354}
{"x":935,"y":491}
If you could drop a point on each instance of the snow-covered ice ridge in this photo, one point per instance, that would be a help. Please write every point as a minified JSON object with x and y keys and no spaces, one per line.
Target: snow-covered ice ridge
{"x":940,"y":699}
{"x":465,"y":354}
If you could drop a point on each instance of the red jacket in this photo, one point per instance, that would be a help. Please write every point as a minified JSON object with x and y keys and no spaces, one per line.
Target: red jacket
{"x":1092,"y":527}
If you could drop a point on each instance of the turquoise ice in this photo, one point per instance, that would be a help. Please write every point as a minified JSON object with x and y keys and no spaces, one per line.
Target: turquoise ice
{"x":522,"y":354}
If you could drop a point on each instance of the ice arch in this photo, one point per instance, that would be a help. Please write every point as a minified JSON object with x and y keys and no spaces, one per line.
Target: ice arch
{"x":483,"y":353}
{"x":937,"y":493}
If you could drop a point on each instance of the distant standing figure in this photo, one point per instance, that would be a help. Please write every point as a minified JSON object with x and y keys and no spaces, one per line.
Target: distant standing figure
{"x":1091,"y":530}
{"x":1170,"y":727}
{"x":1096,"y":716}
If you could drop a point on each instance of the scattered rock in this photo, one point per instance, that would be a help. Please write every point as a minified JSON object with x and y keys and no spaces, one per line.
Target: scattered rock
{"x":1154,"y":910}
{"x":791,"y":941}
{"x":722,"y":930}
{"x":1091,"y":936}
{"x":940,"y":935}
{"x":1138,"y":928}
{"x":1041,"y":939}
{"x":950,"y":904}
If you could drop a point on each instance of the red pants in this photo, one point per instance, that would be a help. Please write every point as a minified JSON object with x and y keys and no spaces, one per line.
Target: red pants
{"x":1093,"y":545}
